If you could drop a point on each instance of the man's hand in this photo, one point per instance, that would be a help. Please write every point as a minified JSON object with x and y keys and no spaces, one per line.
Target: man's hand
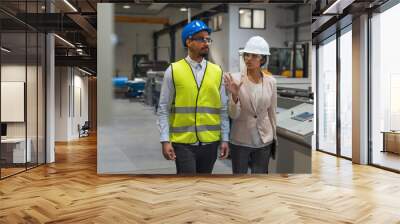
{"x":224,"y":150}
{"x":168,"y":151}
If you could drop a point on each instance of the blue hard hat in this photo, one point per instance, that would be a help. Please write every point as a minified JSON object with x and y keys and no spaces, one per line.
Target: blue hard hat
{"x":192,"y":28}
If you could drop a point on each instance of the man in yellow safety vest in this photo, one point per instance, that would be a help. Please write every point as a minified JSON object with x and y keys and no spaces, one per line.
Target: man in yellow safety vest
{"x":193,"y":118}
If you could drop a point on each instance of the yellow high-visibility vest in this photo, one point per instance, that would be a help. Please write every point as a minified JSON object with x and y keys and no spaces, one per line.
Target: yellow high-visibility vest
{"x":195,"y":113}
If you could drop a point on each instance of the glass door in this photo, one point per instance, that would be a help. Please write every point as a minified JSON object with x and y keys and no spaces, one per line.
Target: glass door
{"x":346,"y":92}
{"x":385,"y":89}
{"x":326,"y":99}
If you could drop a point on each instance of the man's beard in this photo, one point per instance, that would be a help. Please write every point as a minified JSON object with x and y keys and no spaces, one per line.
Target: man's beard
{"x":204,"y":54}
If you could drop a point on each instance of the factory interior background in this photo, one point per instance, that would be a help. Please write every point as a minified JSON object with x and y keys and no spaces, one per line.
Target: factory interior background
{"x":80,"y":83}
{"x":142,"y":53}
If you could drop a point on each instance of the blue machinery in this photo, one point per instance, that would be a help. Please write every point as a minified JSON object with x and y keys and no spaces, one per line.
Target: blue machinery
{"x":135,"y":87}
{"x":128,"y":88}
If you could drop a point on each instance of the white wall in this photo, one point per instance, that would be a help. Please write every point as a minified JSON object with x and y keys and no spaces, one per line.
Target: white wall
{"x":79,"y":117}
{"x":305,"y":16}
{"x":133,"y":39}
{"x":16,"y":73}
{"x":13,"y":73}
{"x":176,"y":16}
{"x":274,"y":36}
{"x":33,"y":126}
{"x":219,"y":48}
{"x":136,"y":38}
{"x":68,"y":83}
{"x":62,"y":81}
{"x":180,"y":50}
{"x":164,"y":49}
{"x":165,"y":42}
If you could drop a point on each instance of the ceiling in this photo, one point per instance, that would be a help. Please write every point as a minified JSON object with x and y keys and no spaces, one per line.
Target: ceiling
{"x":76,"y":22}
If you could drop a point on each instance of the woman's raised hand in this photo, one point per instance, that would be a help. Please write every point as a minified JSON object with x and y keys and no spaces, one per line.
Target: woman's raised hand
{"x":231,"y":85}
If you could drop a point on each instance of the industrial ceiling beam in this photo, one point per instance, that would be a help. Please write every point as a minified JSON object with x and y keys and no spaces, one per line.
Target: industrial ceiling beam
{"x":84,"y":24}
{"x":206,"y":14}
{"x":83,"y":61}
{"x":299,"y":24}
{"x":145,"y":20}
{"x":157,"y":6}
{"x":44,"y":22}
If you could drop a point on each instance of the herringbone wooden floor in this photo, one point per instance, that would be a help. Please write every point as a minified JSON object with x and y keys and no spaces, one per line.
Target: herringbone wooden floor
{"x":70,"y":191}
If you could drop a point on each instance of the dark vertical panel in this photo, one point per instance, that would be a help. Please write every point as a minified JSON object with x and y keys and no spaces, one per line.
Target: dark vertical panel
{"x":295,"y":39}
{"x":155,"y":48}
{"x":0,"y":96}
{"x":37,"y":90}
{"x":317,"y":97}
{"x":369,"y":78}
{"x":338,"y":95}
{"x":173,"y":47}
{"x":26,"y":86}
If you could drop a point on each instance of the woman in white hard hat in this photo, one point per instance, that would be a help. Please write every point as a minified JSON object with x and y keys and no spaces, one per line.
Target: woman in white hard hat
{"x":252,"y":108}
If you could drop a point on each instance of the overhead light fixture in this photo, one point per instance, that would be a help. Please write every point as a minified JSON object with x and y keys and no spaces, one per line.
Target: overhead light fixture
{"x":70,"y":5}
{"x":183,"y":9}
{"x":84,"y":71}
{"x":65,"y":41}
{"x":43,"y":7}
{"x":79,"y":50}
{"x":335,"y":7}
{"x":126,"y":6}
{"x":5,"y":50}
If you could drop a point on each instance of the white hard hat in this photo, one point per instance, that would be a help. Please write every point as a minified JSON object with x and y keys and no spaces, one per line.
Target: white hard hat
{"x":256,"y":45}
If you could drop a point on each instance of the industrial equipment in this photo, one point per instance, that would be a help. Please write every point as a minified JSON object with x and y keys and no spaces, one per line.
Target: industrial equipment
{"x":142,"y":66}
{"x":295,"y":125}
{"x":120,"y":87}
{"x":294,"y":129}
{"x":153,"y":87}
{"x":135,"y":87}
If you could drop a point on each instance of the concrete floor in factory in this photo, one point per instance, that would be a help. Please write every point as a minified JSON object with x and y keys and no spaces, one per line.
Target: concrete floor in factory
{"x":136,"y":131}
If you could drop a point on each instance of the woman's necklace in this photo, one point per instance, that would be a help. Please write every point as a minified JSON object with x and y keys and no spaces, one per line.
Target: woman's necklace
{"x":255,"y":80}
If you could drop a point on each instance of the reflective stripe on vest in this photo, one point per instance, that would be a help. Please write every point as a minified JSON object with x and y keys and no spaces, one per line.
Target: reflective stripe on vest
{"x":195,"y":115}
{"x":186,"y":110}
{"x":193,"y":128}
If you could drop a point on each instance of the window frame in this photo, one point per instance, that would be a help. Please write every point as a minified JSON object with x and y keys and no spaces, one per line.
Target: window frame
{"x":252,"y":18}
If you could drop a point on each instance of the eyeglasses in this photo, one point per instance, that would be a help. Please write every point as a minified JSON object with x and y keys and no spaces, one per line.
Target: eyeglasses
{"x":203,"y":40}
{"x":249,"y":56}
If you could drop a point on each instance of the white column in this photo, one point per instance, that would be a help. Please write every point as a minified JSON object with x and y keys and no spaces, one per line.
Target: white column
{"x":50,"y":100}
{"x":105,"y":67}
{"x":360,"y":90}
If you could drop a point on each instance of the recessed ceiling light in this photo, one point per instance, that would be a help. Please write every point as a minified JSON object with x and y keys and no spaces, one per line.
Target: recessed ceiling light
{"x":70,"y":5}
{"x":84,"y":71}
{"x":64,"y":40}
{"x":5,"y":50}
{"x":333,"y":8}
{"x":183,"y":9}
{"x":126,"y":6}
